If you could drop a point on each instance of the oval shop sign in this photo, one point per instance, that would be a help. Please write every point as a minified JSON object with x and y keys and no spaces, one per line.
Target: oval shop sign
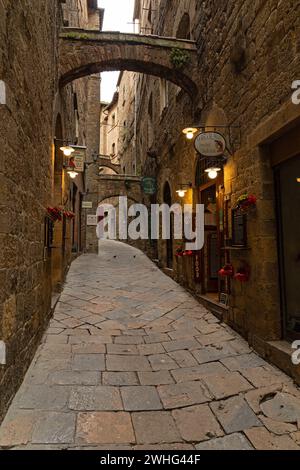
{"x":210,"y":144}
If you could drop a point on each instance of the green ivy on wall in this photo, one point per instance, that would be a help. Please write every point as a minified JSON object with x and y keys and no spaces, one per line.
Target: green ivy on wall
{"x":179,"y":58}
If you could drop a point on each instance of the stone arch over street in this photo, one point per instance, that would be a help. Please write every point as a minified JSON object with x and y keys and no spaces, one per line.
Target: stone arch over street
{"x":106,"y":163}
{"x":87,"y":52}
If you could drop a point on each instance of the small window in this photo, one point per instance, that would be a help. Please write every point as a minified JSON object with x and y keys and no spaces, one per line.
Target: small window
{"x":113,"y":149}
{"x":113,"y":119}
{"x":150,"y":13}
{"x":164,"y":101}
{"x":150,"y":107}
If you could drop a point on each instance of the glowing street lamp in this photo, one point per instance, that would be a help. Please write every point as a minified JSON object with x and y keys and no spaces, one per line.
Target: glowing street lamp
{"x":181,"y":191}
{"x":190,"y":132}
{"x":67,"y":150}
{"x":72,"y":174}
{"x":213,"y":172}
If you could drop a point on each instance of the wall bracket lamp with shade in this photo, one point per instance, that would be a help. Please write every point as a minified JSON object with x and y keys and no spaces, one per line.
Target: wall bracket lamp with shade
{"x":233,"y":134}
{"x":182,"y":189}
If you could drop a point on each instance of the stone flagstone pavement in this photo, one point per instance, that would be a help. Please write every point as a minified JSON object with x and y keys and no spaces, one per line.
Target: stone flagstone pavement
{"x":132,"y":361}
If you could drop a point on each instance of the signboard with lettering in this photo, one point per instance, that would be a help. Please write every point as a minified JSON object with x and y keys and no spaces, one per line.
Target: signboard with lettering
{"x":91,"y":220}
{"x":149,"y":185}
{"x":224,"y":299}
{"x":87,"y":205}
{"x":239,"y":228}
{"x":77,"y":159}
{"x":210,"y":144}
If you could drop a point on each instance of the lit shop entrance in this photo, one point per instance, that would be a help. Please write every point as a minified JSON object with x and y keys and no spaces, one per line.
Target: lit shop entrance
{"x":287,"y":189}
{"x":211,"y":256}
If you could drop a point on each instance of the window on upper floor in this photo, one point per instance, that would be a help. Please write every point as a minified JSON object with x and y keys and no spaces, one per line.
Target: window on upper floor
{"x":164,"y":95}
{"x":184,"y":27}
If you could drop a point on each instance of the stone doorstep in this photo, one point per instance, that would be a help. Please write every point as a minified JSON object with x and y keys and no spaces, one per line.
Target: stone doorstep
{"x":279,"y":353}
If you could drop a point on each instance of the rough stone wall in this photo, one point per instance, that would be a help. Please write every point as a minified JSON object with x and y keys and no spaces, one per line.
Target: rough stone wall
{"x":126,"y":119}
{"x":29,"y":68}
{"x":109,"y":132}
{"x":248,"y":54}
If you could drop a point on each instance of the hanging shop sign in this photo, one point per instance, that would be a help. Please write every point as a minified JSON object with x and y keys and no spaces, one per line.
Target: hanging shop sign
{"x":77,"y":159}
{"x":210,"y":144}
{"x":239,"y":228}
{"x":149,"y":185}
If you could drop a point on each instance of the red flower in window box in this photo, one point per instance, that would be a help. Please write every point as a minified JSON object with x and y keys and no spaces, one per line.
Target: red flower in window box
{"x":54,"y":213}
{"x":227,"y":271}
{"x":188,"y":253}
{"x":241,"y":277}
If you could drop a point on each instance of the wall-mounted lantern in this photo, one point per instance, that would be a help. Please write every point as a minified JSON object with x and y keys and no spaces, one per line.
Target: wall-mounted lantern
{"x":75,"y":155}
{"x":182,"y":191}
{"x":72,"y":174}
{"x":190,"y":132}
{"x":209,"y":141}
{"x":67,"y":150}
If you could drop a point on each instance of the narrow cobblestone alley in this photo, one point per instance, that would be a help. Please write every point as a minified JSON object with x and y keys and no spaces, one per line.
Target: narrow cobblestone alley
{"x":132,"y":361}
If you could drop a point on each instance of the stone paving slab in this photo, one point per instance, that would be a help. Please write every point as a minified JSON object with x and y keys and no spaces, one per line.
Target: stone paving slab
{"x":183,"y":394}
{"x":132,"y":361}
{"x":235,"y":415}
{"x":236,"y":441}
{"x":142,"y":398}
{"x":197,"y":423}
{"x":155,"y":428}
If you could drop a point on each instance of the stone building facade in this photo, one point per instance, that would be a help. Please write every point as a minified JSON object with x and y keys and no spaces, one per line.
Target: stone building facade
{"x":248,"y":56}
{"x":116,"y":174}
{"x":37,"y":117}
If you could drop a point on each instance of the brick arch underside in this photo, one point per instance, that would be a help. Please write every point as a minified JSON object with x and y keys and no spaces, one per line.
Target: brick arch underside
{"x":132,"y":65}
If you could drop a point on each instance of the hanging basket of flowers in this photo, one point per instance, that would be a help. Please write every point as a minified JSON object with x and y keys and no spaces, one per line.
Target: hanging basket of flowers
{"x":69,"y":215}
{"x":227,"y":271}
{"x":54,"y":213}
{"x":246,"y":202}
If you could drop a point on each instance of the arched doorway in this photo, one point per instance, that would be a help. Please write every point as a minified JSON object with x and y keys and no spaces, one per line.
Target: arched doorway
{"x":169,"y":243}
{"x":57,"y":249}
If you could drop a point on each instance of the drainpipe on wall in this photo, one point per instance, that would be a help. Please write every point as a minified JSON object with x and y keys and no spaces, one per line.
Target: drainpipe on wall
{"x":135,"y":123}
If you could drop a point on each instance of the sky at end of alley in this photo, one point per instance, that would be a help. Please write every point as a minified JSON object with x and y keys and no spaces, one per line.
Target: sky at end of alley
{"x":118,"y":15}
